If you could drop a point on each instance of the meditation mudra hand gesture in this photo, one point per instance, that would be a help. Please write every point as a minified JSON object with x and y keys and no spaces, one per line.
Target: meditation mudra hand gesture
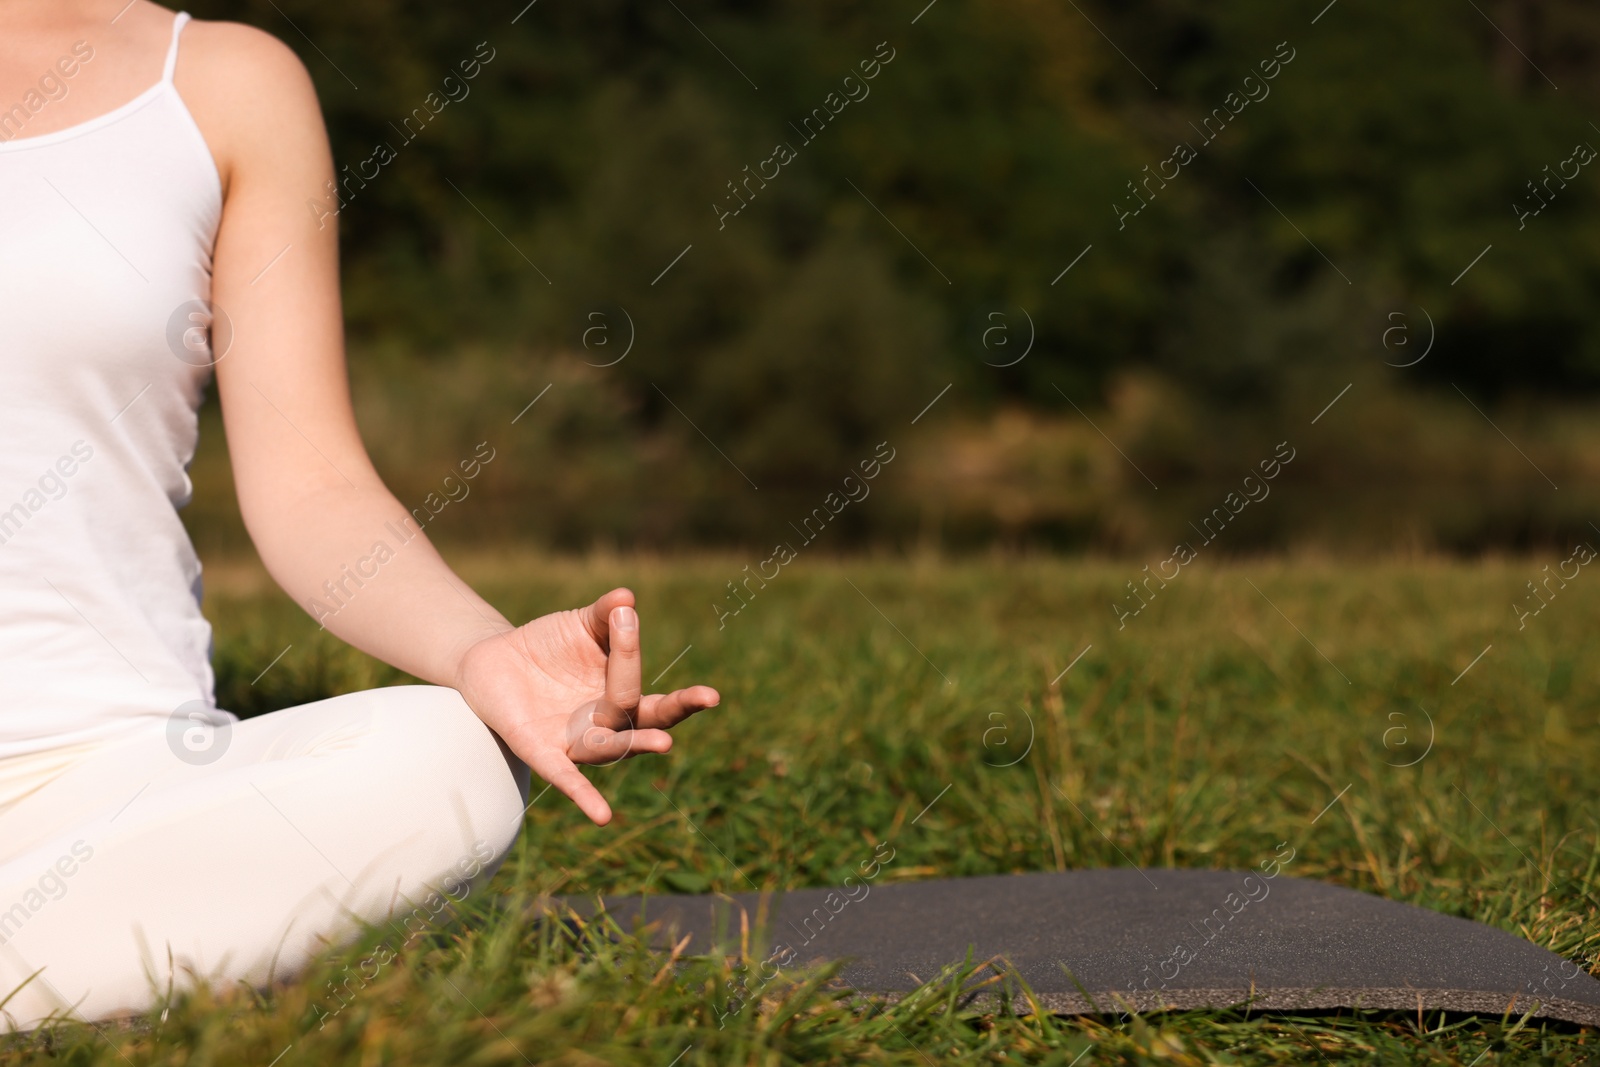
{"x":565,"y":689}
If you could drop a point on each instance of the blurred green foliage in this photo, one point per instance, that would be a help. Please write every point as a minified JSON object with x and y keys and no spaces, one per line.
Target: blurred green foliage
{"x":999,"y":144}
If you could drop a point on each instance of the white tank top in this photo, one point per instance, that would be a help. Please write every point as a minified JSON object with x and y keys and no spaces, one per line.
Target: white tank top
{"x":106,"y":232}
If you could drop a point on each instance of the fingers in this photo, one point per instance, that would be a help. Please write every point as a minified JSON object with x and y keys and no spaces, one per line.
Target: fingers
{"x":604,"y":747}
{"x":564,"y":775}
{"x":624,"y":665}
{"x":664,"y":711}
{"x":597,"y":616}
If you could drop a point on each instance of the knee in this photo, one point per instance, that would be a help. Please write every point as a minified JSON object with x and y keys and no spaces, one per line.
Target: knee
{"x":438,"y":747}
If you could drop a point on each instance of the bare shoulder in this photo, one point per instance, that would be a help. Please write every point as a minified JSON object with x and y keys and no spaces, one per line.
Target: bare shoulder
{"x":245,"y":50}
{"x":249,"y":94}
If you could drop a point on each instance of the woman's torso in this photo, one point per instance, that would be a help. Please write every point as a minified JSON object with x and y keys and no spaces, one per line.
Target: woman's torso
{"x":106,"y":234}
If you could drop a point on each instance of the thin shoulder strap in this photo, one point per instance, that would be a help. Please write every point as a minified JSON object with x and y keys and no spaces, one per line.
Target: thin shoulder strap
{"x":172,"y":49}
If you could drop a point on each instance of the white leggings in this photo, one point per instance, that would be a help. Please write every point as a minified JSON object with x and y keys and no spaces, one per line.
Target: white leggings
{"x":364,"y":807}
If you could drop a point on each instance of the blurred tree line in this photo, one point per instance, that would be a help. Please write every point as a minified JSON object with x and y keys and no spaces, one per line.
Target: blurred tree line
{"x":568,"y":202}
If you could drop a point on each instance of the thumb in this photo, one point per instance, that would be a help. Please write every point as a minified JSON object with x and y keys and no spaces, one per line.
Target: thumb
{"x":597,"y":616}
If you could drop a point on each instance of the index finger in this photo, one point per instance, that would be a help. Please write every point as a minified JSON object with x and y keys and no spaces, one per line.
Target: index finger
{"x":562,"y":773}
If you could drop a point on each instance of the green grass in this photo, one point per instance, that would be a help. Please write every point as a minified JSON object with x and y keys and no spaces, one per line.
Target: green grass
{"x":1201,"y":735}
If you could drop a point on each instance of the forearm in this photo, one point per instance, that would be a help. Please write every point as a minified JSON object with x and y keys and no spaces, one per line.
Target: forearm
{"x":358,"y":562}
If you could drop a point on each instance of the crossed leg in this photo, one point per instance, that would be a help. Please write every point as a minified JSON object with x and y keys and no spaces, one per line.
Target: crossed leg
{"x":312,"y":819}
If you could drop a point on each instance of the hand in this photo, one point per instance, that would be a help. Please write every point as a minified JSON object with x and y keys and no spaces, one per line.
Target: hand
{"x":565,"y":689}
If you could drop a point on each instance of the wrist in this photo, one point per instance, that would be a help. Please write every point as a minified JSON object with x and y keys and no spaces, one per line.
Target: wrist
{"x":474,"y":647}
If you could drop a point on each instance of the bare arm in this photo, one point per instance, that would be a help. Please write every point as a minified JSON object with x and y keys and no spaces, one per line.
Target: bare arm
{"x":316,"y":509}
{"x":309,"y":495}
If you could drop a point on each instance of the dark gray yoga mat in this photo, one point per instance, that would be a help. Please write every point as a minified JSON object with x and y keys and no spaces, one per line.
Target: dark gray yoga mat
{"x":1143,"y":939}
